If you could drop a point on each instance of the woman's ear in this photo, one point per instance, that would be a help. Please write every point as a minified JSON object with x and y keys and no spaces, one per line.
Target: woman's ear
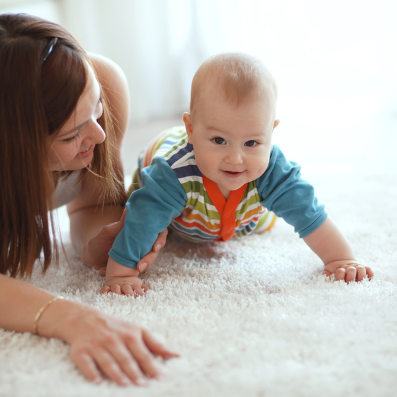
{"x":276,"y":123}
{"x":189,"y":126}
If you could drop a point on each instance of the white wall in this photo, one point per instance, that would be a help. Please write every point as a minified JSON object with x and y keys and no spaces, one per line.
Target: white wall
{"x":335,"y":62}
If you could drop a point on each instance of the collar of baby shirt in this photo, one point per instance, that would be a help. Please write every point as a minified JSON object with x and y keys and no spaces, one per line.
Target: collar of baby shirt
{"x":226,"y":208}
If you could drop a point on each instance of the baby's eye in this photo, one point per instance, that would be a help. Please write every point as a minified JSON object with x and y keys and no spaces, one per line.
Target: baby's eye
{"x":250,"y":143}
{"x":219,"y":141}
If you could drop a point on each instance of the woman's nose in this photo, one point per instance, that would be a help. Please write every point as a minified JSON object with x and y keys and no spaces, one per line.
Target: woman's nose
{"x":95,"y":133}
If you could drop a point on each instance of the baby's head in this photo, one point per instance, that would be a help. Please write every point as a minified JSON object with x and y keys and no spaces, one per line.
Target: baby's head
{"x":232,"y":118}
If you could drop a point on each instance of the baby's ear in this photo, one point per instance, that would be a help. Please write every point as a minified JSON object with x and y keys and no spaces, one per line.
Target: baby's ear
{"x":276,"y":123}
{"x":189,"y":126}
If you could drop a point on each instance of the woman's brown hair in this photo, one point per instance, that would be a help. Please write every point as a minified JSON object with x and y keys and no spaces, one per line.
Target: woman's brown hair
{"x":35,"y":102}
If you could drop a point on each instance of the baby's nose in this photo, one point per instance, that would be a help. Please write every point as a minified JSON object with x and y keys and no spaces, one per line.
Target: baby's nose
{"x":234,"y":157}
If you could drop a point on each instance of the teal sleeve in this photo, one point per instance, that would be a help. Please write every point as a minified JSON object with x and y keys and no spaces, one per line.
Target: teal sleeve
{"x":282,"y":191}
{"x":149,"y":211}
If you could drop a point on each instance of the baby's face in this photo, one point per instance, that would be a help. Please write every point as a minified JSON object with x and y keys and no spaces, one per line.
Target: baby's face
{"x":231,"y":144}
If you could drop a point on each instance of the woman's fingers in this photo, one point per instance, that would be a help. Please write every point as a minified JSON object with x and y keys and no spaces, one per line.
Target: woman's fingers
{"x":86,"y":365}
{"x":127,"y":363}
{"x":109,"y":366}
{"x":143,"y":357}
{"x":150,"y":257}
{"x":155,"y":346}
{"x":160,"y":242}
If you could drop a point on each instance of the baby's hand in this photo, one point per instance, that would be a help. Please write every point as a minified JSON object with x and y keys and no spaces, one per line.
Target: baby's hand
{"x":131,"y":286}
{"x":123,"y":280}
{"x":348,"y":270}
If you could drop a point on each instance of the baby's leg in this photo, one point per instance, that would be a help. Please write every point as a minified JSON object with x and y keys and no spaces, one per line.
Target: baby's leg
{"x":266,"y":222}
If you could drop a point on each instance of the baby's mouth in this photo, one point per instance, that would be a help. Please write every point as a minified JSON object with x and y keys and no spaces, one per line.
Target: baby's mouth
{"x":232,"y":174}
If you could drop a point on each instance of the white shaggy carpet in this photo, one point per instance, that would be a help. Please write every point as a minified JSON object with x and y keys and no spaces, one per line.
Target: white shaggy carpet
{"x":253,"y":317}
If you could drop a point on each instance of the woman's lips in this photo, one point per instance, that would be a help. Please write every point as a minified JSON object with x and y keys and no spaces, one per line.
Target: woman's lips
{"x":86,"y":153}
{"x":232,"y":174}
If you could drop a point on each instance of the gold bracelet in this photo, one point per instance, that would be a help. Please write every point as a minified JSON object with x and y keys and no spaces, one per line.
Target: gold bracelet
{"x":41,"y":311}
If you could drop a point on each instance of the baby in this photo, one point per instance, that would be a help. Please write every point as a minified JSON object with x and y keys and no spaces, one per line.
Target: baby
{"x":222,"y":178}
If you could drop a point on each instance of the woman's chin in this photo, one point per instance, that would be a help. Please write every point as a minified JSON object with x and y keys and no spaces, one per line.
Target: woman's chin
{"x":74,"y":165}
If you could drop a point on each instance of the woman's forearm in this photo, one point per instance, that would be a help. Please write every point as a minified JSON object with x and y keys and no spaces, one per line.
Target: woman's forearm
{"x":86,"y":223}
{"x":21,"y":301}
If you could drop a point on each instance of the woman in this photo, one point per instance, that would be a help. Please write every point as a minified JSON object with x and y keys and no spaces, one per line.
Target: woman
{"x":56,"y":104}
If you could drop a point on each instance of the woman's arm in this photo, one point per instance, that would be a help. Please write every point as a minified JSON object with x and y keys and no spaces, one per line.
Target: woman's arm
{"x":121,"y":350}
{"x":93,"y":228}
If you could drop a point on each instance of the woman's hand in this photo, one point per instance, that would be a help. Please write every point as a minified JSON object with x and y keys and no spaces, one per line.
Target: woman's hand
{"x":120,"y":350}
{"x":96,"y":253}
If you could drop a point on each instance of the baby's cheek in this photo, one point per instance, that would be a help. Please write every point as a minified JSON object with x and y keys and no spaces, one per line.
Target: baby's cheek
{"x":258,"y":169}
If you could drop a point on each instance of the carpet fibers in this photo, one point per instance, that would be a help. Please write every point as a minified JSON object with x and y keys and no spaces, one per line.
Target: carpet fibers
{"x":252,"y":317}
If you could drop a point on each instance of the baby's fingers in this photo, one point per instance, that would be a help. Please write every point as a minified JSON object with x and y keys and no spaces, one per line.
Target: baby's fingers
{"x":327,"y":273}
{"x":340,"y":274}
{"x":361,"y":273}
{"x":115,"y":288}
{"x":369,"y":272}
{"x":126,"y":289}
{"x":105,"y":289}
{"x":350,"y":274}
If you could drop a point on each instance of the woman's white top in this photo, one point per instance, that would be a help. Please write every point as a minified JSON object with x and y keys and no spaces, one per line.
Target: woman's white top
{"x":66,"y":191}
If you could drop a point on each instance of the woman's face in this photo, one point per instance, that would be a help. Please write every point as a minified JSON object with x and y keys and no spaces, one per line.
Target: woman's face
{"x":73,"y":146}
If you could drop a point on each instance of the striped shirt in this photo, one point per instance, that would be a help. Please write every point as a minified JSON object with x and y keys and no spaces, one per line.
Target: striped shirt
{"x":207,"y":215}
{"x":168,"y":189}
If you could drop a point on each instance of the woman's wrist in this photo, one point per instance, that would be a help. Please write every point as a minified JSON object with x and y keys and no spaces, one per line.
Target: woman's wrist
{"x":61,"y":319}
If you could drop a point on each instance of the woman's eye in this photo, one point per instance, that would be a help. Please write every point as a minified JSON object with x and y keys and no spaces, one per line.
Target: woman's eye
{"x":251,"y":143}
{"x":73,"y":137}
{"x":219,"y":141}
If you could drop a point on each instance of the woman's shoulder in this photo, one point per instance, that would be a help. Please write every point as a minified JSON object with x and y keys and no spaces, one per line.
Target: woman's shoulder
{"x":107,"y":70}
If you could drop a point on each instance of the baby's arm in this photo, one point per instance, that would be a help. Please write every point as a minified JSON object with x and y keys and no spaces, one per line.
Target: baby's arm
{"x":334,"y":250}
{"x":149,"y":210}
{"x":123,"y":280}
